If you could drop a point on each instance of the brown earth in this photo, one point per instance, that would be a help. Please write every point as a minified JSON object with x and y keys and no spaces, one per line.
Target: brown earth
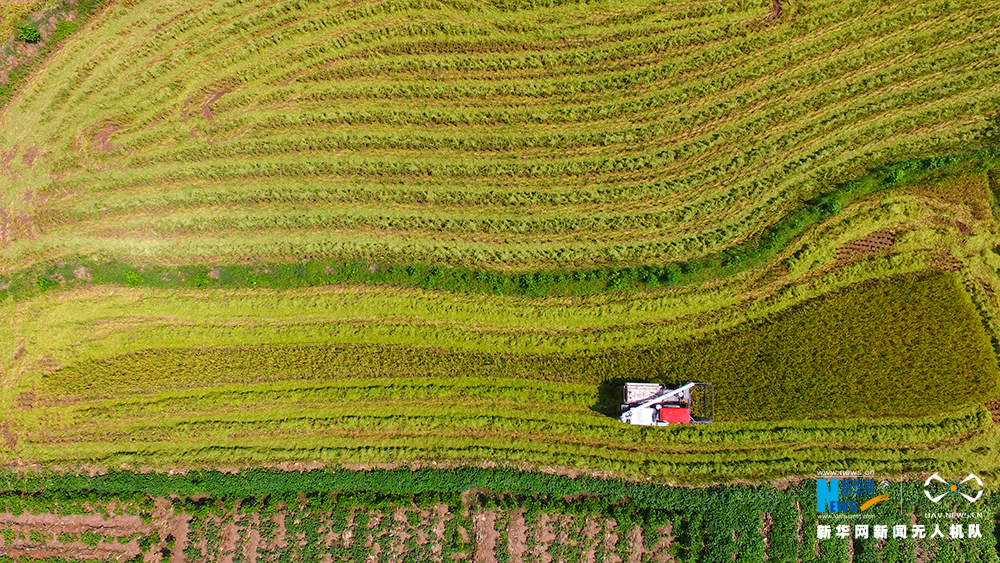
{"x":253,"y":539}
{"x":9,"y":437}
{"x":563,"y":538}
{"x":637,"y":547}
{"x":103,"y":138}
{"x":76,"y":523}
{"x":5,"y":227}
{"x":485,"y":531}
{"x":51,"y":525}
{"x":994,"y":408}
{"x":544,"y":538}
{"x":179,"y":529}
{"x":26,"y":400}
{"x":943,"y":260}
{"x":517,"y":537}
{"x":398,"y":534}
{"x":25,"y":225}
{"x":5,"y":159}
{"x":611,"y":542}
{"x":390,"y":534}
{"x":799,"y":521}
{"x":874,"y":244}
{"x":30,"y":155}
{"x":775,"y":11}
{"x":73,"y":551}
{"x":591,"y":533}
{"x":206,"y":106}
{"x":661,"y":552}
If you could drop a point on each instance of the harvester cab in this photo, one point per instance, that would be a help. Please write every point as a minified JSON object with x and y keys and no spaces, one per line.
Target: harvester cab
{"x":652,"y":404}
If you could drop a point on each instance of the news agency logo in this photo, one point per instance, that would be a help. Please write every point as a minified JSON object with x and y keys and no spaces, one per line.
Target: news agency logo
{"x":846,"y":495}
{"x":951,"y":488}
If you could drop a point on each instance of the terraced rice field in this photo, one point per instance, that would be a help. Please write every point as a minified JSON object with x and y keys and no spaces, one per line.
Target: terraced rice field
{"x":466,"y":133}
{"x":237,"y":232}
{"x":363,"y":379}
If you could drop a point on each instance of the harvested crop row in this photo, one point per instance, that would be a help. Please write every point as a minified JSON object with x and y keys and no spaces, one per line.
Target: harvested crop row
{"x":235,"y":383}
{"x":584,"y":341}
{"x":699,"y":135}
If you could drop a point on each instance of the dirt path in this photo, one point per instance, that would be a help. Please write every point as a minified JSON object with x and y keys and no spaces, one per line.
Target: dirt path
{"x":76,"y":523}
{"x":253,"y":540}
{"x":637,"y":546}
{"x":767,"y":522}
{"x":50,"y":526}
{"x":516,"y":537}
{"x":543,"y":538}
{"x":485,"y":531}
{"x":179,"y":530}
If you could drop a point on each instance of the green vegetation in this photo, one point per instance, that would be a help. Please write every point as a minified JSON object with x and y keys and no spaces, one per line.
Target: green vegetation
{"x":64,"y":30}
{"x":190,"y":396}
{"x":28,"y":34}
{"x":413,"y":231}
{"x":892,"y":347}
{"x":424,"y":514}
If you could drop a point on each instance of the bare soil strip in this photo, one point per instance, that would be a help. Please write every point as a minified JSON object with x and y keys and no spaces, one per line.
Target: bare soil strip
{"x":485,"y":531}
{"x":27,"y":526}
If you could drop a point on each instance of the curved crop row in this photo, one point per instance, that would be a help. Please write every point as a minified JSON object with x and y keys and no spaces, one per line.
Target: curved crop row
{"x":694,"y":120}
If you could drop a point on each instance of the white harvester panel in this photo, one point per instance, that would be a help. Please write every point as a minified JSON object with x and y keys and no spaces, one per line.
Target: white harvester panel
{"x":635,"y":392}
{"x":652,"y":404}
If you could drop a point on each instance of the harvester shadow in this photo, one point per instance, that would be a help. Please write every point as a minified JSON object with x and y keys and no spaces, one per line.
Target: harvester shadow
{"x":609,"y":398}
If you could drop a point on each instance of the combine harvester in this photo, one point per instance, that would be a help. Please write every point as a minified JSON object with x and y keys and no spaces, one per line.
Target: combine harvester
{"x":652,"y":404}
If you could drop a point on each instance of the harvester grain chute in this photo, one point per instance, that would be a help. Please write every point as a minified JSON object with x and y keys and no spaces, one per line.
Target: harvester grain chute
{"x":652,"y":404}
